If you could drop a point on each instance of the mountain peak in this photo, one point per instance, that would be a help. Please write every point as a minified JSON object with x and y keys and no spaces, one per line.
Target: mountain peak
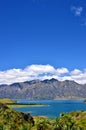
{"x":46,"y":89}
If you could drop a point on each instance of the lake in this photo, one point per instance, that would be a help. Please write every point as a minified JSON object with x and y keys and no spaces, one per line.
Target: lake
{"x":53,"y":107}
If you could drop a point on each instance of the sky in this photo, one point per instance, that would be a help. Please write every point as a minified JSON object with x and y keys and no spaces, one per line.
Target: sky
{"x":42,"y":39}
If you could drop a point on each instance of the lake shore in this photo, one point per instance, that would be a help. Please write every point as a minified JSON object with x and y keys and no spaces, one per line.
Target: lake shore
{"x":18,"y":105}
{"x":12,"y":104}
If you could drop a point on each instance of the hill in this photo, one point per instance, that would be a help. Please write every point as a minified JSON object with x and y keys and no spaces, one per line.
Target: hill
{"x":46,"y":89}
{"x":6,"y":100}
{"x":14,"y":120}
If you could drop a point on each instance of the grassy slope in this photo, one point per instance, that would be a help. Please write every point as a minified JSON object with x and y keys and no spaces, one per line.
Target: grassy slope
{"x":67,"y":121}
{"x":6,"y":100}
{"x":13,"y":120}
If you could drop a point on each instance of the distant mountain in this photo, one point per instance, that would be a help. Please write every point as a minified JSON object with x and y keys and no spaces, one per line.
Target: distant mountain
{"x":46,"y":89}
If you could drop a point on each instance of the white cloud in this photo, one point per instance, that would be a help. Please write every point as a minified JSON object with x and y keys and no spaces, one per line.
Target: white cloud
{"x":38,"y":69}
{"x":41,"y":72}
{"x":62,"y":71}
{"x":75,"y":72}
{"x":78,"y":76}
{"x":77,"y":10}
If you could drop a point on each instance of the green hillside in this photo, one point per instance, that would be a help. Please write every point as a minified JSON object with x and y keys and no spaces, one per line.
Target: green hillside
{"x":14,"y":120}
{"x":6,"y":100}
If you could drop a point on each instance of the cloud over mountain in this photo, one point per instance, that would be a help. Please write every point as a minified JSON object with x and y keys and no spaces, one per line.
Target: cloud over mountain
{"x":41,"y":72}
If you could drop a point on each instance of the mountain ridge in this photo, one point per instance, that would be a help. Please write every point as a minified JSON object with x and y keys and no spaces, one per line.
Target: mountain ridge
{"x":44,"y":89}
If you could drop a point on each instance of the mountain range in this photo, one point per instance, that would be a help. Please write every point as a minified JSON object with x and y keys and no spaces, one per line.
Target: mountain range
{"x":46,"y":89}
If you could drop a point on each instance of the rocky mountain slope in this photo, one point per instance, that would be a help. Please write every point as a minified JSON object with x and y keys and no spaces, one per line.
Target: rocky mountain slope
{"x":46,"y":89}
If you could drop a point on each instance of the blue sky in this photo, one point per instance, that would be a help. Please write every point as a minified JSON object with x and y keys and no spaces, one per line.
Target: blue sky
{"x":42,"y":32}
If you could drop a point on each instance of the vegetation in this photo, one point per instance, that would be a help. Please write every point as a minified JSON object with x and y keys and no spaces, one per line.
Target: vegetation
{"x":66,"y":121}
{"x":13,"y":120}
{"x":6,"y":100}
{"x":12,"y":104}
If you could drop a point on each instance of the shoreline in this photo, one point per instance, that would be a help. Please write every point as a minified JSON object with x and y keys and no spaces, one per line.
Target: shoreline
{"x":18,"y":105}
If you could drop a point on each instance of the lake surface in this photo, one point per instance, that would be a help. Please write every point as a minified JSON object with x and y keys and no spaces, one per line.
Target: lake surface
{"x":53,"y":107}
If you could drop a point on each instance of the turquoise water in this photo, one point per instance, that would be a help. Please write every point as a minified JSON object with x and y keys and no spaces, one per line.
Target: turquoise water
{"x":53,"y":107}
